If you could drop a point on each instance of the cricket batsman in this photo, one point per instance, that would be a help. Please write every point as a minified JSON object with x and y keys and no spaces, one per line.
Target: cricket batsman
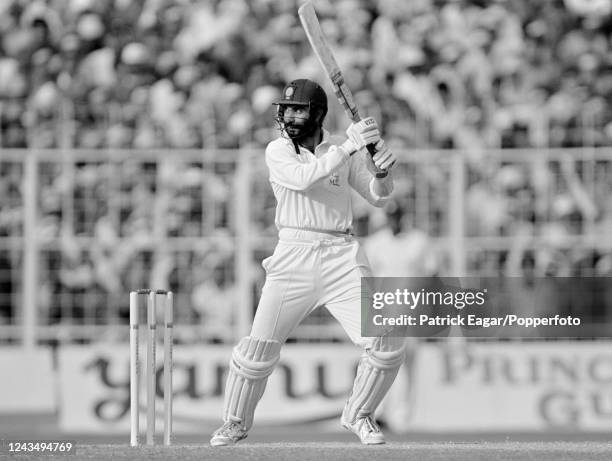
{"x":316,"y":262}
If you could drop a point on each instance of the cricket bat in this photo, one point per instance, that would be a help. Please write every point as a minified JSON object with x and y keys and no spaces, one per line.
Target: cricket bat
{"x":319,"y":45}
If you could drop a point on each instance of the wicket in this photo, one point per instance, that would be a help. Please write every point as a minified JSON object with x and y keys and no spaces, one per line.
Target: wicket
{"x":151,"y":378}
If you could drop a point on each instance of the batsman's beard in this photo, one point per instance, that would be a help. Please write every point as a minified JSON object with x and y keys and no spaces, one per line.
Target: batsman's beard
{"x":298,"y":132}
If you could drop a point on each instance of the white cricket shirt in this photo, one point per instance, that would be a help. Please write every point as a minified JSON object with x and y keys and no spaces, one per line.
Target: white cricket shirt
{"x":313,"y":190}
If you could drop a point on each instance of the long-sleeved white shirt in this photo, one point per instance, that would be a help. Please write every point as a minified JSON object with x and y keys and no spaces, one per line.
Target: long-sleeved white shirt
{"x":313,"y":190}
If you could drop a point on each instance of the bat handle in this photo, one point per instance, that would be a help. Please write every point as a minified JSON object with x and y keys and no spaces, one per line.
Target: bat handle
{"x":372,"y":150}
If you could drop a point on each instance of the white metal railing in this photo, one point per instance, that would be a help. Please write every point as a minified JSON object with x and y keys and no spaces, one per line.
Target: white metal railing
{"x":175,"y":216}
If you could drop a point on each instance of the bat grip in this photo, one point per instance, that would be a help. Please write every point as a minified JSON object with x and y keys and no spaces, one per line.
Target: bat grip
{"x":372,"y":150}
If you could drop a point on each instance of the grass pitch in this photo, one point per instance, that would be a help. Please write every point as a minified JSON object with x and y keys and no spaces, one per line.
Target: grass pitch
{"x":344,"y":451}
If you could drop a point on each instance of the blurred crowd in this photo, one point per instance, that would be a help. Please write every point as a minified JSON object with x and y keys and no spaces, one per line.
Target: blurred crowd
{"x":474,"y":75}
{"x":180,"y":73}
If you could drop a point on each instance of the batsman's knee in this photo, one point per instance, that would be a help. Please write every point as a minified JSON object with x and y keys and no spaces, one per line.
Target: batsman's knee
{"x":255,"y":358}
{"x":386,"y":353}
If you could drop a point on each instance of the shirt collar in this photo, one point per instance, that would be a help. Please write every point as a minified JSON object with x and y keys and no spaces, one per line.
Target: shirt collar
{"x":326,"y":136}
{"x":324,"y":144}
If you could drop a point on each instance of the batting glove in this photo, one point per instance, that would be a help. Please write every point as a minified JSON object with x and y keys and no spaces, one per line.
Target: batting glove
{"x":363,"y":132}
{"x":382,"y":161}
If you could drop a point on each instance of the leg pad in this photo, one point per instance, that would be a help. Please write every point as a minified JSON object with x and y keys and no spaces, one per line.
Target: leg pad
{"x":253,"y":360}
{"x":376,"y":372}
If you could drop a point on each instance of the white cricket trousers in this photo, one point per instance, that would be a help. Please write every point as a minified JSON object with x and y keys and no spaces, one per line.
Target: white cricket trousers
{"x":307,"y":270}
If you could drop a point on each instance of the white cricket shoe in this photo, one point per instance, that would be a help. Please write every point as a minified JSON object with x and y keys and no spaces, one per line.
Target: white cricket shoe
{"x":228,"y":434}
{"x":366,"y":429}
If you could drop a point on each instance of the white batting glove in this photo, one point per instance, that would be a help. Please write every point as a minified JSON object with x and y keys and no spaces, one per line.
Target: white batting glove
{"x":363,"y":132}
{"x":384,"y":159}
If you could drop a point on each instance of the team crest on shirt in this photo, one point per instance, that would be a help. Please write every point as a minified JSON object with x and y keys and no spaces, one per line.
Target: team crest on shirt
{"x":334,"y":179}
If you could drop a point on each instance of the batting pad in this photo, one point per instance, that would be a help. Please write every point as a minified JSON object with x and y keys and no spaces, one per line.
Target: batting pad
{"x":253,"y":360}
{"x":376,"y":372}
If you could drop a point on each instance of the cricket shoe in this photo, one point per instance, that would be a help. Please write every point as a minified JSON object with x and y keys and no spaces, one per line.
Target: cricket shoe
{"x":228,"y":434}
{"x":366,"y":429}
